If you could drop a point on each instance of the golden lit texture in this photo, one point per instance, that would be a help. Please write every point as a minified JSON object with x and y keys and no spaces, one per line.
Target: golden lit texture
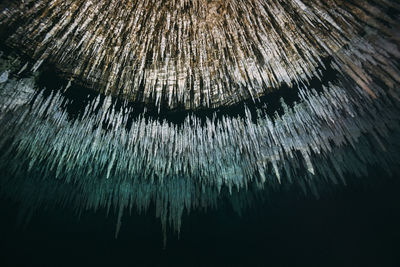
{"x":190,"y":54}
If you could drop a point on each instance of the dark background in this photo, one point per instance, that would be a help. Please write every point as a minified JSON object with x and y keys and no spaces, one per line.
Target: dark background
{"x":356,"y":225}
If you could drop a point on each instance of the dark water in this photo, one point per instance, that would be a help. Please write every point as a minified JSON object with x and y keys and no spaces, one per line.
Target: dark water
{"x":356,"y":225}
{"x":353,"y":225}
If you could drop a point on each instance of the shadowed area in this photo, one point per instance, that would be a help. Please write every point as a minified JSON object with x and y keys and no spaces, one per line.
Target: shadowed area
{"x":352,"y":226}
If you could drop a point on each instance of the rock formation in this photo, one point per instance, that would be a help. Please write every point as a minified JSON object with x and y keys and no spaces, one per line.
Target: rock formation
{"x":131,"y":58}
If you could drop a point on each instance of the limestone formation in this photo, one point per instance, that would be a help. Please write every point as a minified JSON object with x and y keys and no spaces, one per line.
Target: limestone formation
{"x":126,"y":59}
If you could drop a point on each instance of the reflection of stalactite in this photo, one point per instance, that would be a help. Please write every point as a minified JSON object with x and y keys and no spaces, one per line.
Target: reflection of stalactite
{"x":109,"y":155}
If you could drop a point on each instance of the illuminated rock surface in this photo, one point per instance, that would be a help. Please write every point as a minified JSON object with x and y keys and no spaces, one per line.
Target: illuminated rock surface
{"x":191,"y":55}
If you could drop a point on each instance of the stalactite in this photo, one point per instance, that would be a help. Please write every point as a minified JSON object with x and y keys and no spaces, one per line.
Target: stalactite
{"x":184,"y":57}
{"x":191,"y":54}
